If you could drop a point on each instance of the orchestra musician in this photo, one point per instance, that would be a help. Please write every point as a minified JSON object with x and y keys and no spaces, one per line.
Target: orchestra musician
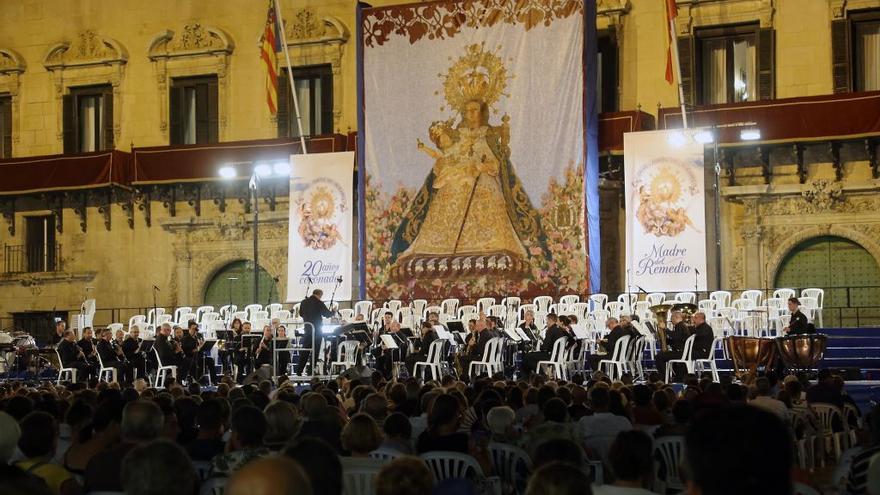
{"x":312,"y":310}
{"x":554,"y":331}
{"x":131,"y":347}
{"x":112,"y":356}
{"x":420,"y":351}
{"x":476,"y":344}
{"x":58,"y":336}
{"x":72,"y":356}
{"x":703,"y":338}
{"x":678,"y":333}
{"x":799,"y":323}
{"x":192,"y":343}
{"x":170,"y":352}
{"x":88,"y":346}
{"x":529,"y":327}
{"x":119,"y":338}
{"x":283,"y":356}
{"x":385,"y":358}
{"x":619,"y":328}
{"x":264,"y":348}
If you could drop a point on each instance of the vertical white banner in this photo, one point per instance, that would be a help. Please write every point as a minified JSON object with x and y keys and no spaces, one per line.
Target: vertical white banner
{"x":665,"y":211}
{"x":320,"y":237}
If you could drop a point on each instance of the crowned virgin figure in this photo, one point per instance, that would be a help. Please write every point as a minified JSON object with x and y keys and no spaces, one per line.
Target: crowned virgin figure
{"x":471,"y":215}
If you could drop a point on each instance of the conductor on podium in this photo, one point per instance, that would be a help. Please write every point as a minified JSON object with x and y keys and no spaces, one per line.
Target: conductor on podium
{"x":312,"y":310}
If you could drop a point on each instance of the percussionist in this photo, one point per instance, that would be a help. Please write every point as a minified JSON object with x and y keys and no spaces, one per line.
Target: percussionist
{"x":799,"y":324}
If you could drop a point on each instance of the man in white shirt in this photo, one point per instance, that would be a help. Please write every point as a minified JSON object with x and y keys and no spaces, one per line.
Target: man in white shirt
{"x":600,"y":429}
{"x":765,"y":401}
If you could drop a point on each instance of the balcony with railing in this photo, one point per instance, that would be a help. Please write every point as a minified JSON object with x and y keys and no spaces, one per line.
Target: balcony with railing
{"x":31,"y":258}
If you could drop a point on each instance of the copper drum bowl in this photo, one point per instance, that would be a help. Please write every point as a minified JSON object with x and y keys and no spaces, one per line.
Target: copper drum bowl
{"x":802,"y":352}
{"x":750,"y":353}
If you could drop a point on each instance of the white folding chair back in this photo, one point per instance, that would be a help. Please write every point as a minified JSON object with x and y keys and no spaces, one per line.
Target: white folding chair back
{"x":511,"y":464}
{"x":511,"y":302}
{"x":581,"y":310}
{"x":139,"y":321}
{"x":598,"y":301}
{"x":686,"y":359}
{"x":819,"y":294}
{"x":543,"y":303}
{"x":656,"y":298}
{"x":556,"y":362}
{"x":179,"y":312}
{"x":153,"y":315}
{"x":497,"y":310}
{"x":484,"y":303}
{"x":420,"y":307}
{"x":226,"y":311}
{"x":272,"y":308}
{"x":614,"y":308}
{"x":601,"y":316}
{"x":784,"y":294}
{"x":452,"y":465}
{"x":742,"y":304}
{"x":385,"y":454}
{"x":467,"y":312}
{"x":64,"y":371}
{"x":628,"y":300}
{"x":641,"y":308}
{"x":363,"y":308}
{"x":250,"y":308}
{"x":432,"y":361}
{"x":753,"y":295}
{"x":359,"y":480}
{"x":721,"y":298}
{"x":617,"y":363}
{"x":686,"y":297}
{"x":346,"y":314}
{"x":706,"y":306}
{"x":162,"y":370}
{"x":829,"y":415}
{"x":393,"y":305}
{"x":670,"y":450}
{"x":450,"y":307}
{"x":490,"y":360}
{"x":202,"y":310}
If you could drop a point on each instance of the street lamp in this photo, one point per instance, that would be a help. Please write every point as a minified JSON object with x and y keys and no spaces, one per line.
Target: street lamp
{"x":260,"y":171}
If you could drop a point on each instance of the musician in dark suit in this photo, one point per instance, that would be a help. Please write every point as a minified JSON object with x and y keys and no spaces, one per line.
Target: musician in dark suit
{"x":703,"y":337}
{"x":58,"y":336}
{"x":170,"y":352}
{"x":72,"y":356}
{"x":87,"y":344}
{"x":131,"y":347}
{"x":312,"y":310}
{"x":799,"y":324}
{"x":554,"y":332}
{"x":678,"y":333}
{"x":112,"y":356}
{"x":618,"y":331}
{"x":420,"y":351}
{"x":529,"y":327}
{"x":386,"y":357}
{"x":477,"y":342}
{"x":192,"y":343}
{"x":264,"y":348}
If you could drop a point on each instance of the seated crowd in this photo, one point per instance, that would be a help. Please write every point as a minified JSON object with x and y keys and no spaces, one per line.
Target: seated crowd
{"x":261,"y":439}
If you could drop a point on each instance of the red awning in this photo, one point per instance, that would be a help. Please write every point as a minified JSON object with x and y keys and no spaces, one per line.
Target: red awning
{"x":814,"y":118}
{"x":58,"y":172}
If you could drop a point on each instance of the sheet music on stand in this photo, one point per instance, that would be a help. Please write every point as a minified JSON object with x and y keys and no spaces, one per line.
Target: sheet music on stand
{"x":522,"y":334}
{"x":513,"y":335}
{"x":442,"y":333}
{"x":388,"y":342}
{"x":580,"y":332}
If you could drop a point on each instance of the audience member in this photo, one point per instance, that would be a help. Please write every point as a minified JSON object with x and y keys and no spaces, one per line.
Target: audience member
{"x":38,"y":441}
{"x":271,"y":476}
{"x":209,"y":439}
{"x":763,"y":399}
{"x":282,"y":423}
{"x":321,"y":462}
{"x":10,"y":433}
{"x":558,"y":478}
{"x":632,"y":465}
{"x":245,"y":443}
{"x":159,"y":467}
{"x":398,"y":434}
{"x":404,"y":476}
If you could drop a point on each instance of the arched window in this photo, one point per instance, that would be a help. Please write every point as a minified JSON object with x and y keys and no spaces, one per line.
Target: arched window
{"x":842,"y":267}
{"x":222,"y":287}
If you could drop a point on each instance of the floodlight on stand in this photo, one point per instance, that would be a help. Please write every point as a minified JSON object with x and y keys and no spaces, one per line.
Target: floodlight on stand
{"x":263,"y":170}
{"x":704,"y":136}
{"x":676,"y":138}
{"x":227,"y":172}
{"x":750,"y":134}
{"x":281,"y":169}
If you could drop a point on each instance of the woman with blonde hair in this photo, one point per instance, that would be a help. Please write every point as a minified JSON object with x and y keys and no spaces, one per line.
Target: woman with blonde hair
{"x":282,"y":424}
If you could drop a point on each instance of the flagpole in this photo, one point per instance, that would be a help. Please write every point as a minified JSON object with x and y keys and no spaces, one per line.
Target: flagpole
{"x":299,"y":124}
{"x":673,"y":42}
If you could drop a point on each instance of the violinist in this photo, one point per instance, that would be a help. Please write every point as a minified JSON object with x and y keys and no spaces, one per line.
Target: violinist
{"x":72,"y":356}
{"x":112,"y":356}
{"x":131,"y":347}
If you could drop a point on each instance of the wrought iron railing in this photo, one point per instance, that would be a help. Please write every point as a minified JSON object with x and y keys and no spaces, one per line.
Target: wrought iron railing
{"x":25,"y":258}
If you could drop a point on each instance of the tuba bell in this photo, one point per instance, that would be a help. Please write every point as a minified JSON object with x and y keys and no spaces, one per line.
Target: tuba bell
{"x":661,"y":313}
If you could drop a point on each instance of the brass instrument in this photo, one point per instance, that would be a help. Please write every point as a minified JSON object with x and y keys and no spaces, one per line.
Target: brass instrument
{"x":661,"y":312}
{"x":221,"y":345}
{"x":687,"y":311}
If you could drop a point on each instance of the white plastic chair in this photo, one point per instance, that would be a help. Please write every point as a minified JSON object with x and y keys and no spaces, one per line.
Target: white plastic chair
{"x":617,"y":363}
{"x":614,"y":308}
{"x":250,"y":308}
{"x":393,"y":305}
{"x":226,"y":311}
{"x":359,"y":480}
{"x":671,"y":453}
{"x":512,"y":302}
{"x":542,"y":303}
{"x":420,"y":307}
{"x":162,"y":371}
{"x":641,"y":308}
{"x":581,"y":310}
{"x":346,"y":314}
{"x":686,"y":297}
{"x":203,"y":469}
{"x":484,"y":303}
{"x":721,"y":298}
{"x":634,"y":358}
{"x":271,"y":308}
{"x":817,"y":295}
{"x":183,"y":310}
{"x":453,"y":465}
{"x":200,"y":312}
{"x":511,"y":464}
{"x":104,"y":370}
{"x":701,"y":364}
{"x":524,"y":308}
{"x":557,"y":360}
{"x":686,"y":359}
{"x":628,"y":300}
{"x":64,"y":371}
{"x":656,"y":298}
{"x":753,"y":295}
{"x":213,"y":486}
{"x":706,"y":306}
{"x":600,"y":316}
{"x":598,"y":301}
{"x":450,"y":307}
{"x":139,"y":321}
{"x":743,"y":304}
{"x":153,"y":315}
{"x":363,"y":308}
{"x":385,"y":454}
{"x":491,"y":358}
{"x":432,"y":361}
{"x":346,"y":352}
{"x":467,"y":312}
{"x":827,"y":414}
{"x":784,"y":294}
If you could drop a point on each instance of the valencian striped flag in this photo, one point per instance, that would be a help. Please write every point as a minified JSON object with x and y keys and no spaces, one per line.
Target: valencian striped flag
{"x":671,"y":13}
{"x":270,"y":46}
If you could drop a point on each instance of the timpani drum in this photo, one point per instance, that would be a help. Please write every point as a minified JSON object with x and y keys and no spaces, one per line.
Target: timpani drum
{"x":750,"y":353}
{"x":802,"y":352}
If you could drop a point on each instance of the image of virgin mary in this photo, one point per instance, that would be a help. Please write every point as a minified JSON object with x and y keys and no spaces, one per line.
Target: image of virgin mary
{"x":471,"y":216}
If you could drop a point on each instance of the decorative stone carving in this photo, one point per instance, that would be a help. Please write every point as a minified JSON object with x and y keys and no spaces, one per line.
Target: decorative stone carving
{"x":87,"y":48}
{"x":194,"y":40}
{"x":196,"y":37}
{"x":697,"y":13}
{"x":823,"y":195}
{"x":306,"y":25}
{"x":11,"y":62}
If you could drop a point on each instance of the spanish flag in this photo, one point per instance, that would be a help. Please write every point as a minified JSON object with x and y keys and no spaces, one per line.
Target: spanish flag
{"x":671,"y":13}
{"x":270,"y":46}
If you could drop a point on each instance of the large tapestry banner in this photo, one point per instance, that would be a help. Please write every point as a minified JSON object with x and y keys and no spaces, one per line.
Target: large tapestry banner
{"x":473,"y":149}
{"x":665,"y":211}
{"x":319,"y":239}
